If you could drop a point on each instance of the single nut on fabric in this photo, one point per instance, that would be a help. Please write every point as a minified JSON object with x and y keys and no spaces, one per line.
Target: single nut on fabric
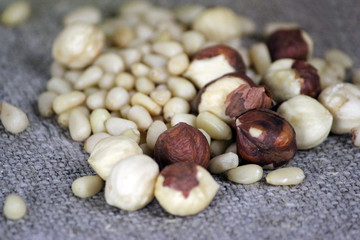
{"x":245,"y":98}
{"x":343,"y":101}
{"x":108,"y":151}
{"x":16,"y":13}
{"x":13,"y":118}
{"x":264,"y":137}
{"x":78,"y":45}
{"x":182,"y":143}
{"x":212,"y":97}
{"x":285,"y":176}
{"x":311,"y":120}
{"x":14,"y":207}
{"x":185,"y":189}
{"x":213,"y":62}
{"x":131,"y":183}
{"x":87,"y":186}
{"x":290,"y":43}
{"x":286,"y":78}
{"x":218,"y":24}
{"x":246,"y":174}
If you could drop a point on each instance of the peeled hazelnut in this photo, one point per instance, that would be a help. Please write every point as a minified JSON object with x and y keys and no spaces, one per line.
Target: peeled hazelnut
{"x":185,"y":189}
{"x":182,"y":143}
{"x":287,"y":78}
{"x":245,"y":98}
{"x":290,"y":43}
{"x":211,"y":98}
{"x":218,"y":24}
{"x":311,"y":120}
{"x":343,"y":101}
{"x":213,"y":62}
{"x":264,"y":137}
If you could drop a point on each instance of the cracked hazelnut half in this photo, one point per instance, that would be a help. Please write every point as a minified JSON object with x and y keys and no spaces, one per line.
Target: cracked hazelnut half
{"x":290,"y":43}
{"x":211,"y":98}
{"x":182,"y":143}
{"x":245,"y":98}
{"x":185,"y":189}
{"x":286,"y":78}
{"x":213,"y":62}
{"x":264,"y":138}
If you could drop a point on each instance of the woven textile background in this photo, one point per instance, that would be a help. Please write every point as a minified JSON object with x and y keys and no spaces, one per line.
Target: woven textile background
{"x":41,"y":163}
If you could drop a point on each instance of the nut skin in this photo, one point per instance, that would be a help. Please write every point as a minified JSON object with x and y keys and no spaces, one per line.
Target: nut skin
{"x":275,"y":145}
{"x":231,"y":55}
{"x":182,"y":143}
{"x":288,"y":44}
{"x":245,"y":98}
{"x":310,"y":80}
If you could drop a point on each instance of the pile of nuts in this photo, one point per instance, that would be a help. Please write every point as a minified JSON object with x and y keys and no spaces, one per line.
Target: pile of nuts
{"x":159,"y":96}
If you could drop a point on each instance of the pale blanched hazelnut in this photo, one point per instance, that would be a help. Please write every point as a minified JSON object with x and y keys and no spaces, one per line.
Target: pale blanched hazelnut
{"x":213,"y":62}
{"x":343,"y":101}
{"x":108,"y":151}
{"x":290,"y":43}
{"x":218,"y":24}
{"x":286,"y":78}
{"x":211,"y":98}
{"x":185,"y":189}
{"x":339,"y":57}
{"x":130,"y":185}
{"x":78,"y":45}
{"x":311,"y":120}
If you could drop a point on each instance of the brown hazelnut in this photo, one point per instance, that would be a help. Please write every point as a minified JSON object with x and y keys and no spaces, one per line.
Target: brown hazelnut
{"x":287,"y":78}
{"x":211,"y":98}
{"x":289,"y":43}
{"x":185,"y":188}
{"x":264,"y":138}
{"x":182,"y":143}
{"x":213,"y":62}
{"x":245,"y":98}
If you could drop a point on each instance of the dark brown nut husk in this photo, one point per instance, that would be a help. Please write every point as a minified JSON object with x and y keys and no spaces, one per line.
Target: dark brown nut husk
{"x":182,"y":143}
{"x":290,"y":43}
{"x":265,"y":138}
{"x":287,"y":78}
{"x":245,"y":98}
{"x":211,"y":98}
{"x":212,"y":62}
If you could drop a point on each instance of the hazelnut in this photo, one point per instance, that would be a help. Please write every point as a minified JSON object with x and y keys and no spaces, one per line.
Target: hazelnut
{"x":329,"y":72}
{"x":290,"y":43}
{"x":182,"y":143}
{"x":264,"y":138}
{"x":287,"y":78}
{"x":245,"y":98}
{"x":185,"y":189}
{"x":218,"y":24}
{"x":213,"y":62}
{"x":343,"y":101}
{"x":212,"y":96}
{"x":311,"y":120}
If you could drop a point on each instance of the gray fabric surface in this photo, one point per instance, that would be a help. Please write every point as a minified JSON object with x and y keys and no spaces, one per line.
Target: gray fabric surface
{"x":41,"y":163}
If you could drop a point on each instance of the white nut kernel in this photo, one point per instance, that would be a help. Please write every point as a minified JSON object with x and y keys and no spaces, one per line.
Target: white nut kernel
{"x":109,"y":151}
{"x":246,"y":174}
{"x":174,"y":106}
{"x":218,"y":147}
{"x":158,"y":75}
{"x":223,"y":163}
{"x":178,"y":64}
{"x":140,"y":116}
{"x":123,"y":36}
{"x":130,"y":56}
{"x":57,"y":70}
{"x":116,"y":126}
{"x":116,"y":98}
{"x":72,"y":76}
{"x":87,"y":14}
{"x":231,"y":148}
{"x":110,"y":62}
{"x":140,"y":69}
{"x":338,"y":56}
{"x":133,"y":134}
{"x":146,"y":102}
{"x":154,"y":131}
{"x":160,"y":96}
{"x":180,"y":199}
{"x":208,"y":138}
{"x":67,"y":101}
{"x":181,"y":87}
{"x":311,"y":120}
{"x":190,"y":119}
{"x":87,"y":186}
{"x":16,"y":13}
{"x":13,"y":118}
{"x":96,"y":100}
{"x":167,"y":48}
{"x":192,"y":42}
{"x":63,"y":118}
{"x":78,"y":45}
{"x":188,"y":12}
{"x":125,"y":80}
{"x":88,"y":78}
{"x":154,"y":60}
{"x":14,"y":207}
{"x":58,"y":85}
{"x":343,"y":101}
{"x":214,"y":126}
{"x":285,"y":176}
{"x":79,"y":125}
{"x":131,"y":183}
{"x":45,"y":102}
{"x":93,"y":140}
{"x":144,"y":85}
{"x":260,"y":56}
{"x":98,"y":118}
